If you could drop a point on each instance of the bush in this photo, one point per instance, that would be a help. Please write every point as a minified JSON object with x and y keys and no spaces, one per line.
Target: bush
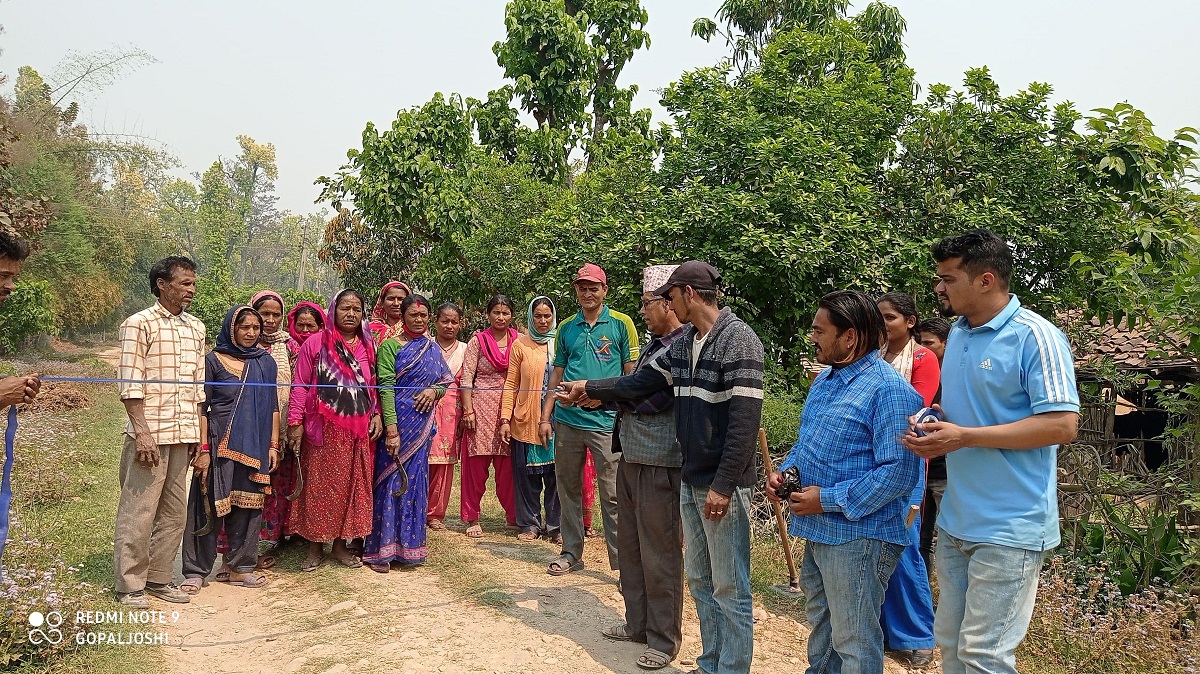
{"x":782,"y":404}
{"x":26,"y":314}
{"x":1083,"y":623}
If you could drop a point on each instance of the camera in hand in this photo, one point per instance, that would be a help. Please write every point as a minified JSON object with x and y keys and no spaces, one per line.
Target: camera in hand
{"x":789,"y":484}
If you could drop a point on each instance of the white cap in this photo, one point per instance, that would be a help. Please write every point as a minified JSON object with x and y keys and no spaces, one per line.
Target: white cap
{"x":656,"y":276}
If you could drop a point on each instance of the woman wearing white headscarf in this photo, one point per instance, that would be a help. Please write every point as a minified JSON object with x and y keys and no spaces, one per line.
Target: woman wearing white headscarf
{"x":520,"y":408}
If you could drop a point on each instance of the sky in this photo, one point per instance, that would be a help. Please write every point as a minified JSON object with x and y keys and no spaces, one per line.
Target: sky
{"x":307,"y":76}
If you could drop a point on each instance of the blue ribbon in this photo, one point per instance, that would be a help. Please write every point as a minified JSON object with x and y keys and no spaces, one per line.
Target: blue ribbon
{"x":174,"y":382}
{"x":10,"y":439}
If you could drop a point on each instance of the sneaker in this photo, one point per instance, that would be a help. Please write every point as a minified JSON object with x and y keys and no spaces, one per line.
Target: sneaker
{"x":168,"y":592}
{"x":135,"y":600}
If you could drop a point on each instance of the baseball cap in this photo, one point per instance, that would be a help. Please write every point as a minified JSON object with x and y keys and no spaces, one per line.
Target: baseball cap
{"x":699,"y":275}
{"x":591,"y":272}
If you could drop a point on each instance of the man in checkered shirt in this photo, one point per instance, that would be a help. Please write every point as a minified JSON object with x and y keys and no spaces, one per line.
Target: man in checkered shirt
{"x":856,"y":478}
{"x":162,"y":437}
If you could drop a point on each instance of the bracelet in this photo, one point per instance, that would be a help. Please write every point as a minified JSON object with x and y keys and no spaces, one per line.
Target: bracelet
{"x":544,"y":422}
{"x":204,"y":447}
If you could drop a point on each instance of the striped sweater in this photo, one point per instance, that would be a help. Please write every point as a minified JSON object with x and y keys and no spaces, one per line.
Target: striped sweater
{"x":718,"y":406}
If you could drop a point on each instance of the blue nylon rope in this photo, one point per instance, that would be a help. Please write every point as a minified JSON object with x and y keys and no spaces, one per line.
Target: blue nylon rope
{"x":10,"y":438}
{"x":91,"y":380}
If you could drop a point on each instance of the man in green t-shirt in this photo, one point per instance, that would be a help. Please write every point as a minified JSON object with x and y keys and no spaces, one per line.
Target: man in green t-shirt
{"x":595,"y":343}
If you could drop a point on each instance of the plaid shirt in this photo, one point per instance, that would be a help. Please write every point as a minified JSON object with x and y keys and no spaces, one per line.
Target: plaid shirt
{"x":849,"y":446}
{"x":157,"y":345}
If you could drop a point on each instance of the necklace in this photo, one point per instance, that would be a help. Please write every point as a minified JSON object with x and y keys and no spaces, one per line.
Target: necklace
{"x":450,"y":350}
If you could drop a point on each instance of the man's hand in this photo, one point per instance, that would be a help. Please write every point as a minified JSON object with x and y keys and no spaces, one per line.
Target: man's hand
{"x":33,"y":386}
{"x":425,"y":400}
{"x":294,"y":435}
{"x":201,"y":463}
{"x":375,"y":428}
{"x":773,"y":481}
{"x":807,"y":501}
{"x":14,"y":390}
{"x":392,"y":441}
{"x":715,"y":505}
{"x":941,"y":437}
{"x":147,"y":450}
{"x":571,"y":392}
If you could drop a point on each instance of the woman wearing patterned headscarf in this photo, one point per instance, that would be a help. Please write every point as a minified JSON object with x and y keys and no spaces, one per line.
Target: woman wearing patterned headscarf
{"x":240,"y":427}
{"x":269,"y":304}
{"x":334,"y":419}
{"x":386,"y":316}
{"x":520,"y":407}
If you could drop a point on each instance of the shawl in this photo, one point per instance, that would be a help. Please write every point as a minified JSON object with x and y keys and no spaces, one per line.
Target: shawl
{"x":343,"y":388}
{"x":279,"y":335}
{"x":297,"y":339}
{"x":378,"y":324}
{"x":546,"y":338}
{"x":904,"y":362}
{"x":491,"y":350}
{"x":248,"y":428}
{"x":419,"y":365}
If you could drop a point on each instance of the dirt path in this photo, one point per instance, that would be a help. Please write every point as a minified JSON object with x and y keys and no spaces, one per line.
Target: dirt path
{"x":486,"y":606}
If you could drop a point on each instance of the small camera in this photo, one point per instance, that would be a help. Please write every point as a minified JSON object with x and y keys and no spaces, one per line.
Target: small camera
{"x":790,"y":483}
{"x":927,"y":415}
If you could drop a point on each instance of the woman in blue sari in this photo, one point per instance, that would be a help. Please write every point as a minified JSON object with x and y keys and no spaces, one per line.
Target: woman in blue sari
{"x":413,"y":363}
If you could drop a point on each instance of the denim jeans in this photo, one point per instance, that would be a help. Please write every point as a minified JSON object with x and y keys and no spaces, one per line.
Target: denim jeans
{"x":985,"y":603}
{"x":718,"y":572}
{"x":843,"y":588}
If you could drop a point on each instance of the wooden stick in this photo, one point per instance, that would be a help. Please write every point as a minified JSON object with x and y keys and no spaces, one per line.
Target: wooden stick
{"x":793,"y":577}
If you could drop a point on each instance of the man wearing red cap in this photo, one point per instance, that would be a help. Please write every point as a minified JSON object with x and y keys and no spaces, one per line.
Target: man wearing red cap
{"x":596,"y":342}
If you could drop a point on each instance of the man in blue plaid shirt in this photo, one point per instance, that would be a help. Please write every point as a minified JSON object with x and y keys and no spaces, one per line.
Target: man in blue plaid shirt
{"x":856,"y":479}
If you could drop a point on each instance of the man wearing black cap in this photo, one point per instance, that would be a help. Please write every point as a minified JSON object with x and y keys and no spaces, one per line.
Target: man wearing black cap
{"x":716,"y":370}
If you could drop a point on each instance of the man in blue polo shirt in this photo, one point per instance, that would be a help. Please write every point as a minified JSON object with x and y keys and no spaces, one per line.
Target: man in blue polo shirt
{"x":595,"y":343}
{"x":1009,"y":399}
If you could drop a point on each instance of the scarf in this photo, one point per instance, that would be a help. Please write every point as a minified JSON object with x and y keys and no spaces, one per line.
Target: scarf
{"x":296,"y":339}
{"x":378,"y":314}
{"x":546,"y":338}
{"x":227,"y":345}
{"x":248,"y":427}
{"x":903,"y":362}
{"x":280,"y":335}
{"x":342,"y":396}
{"x":491,"y":350}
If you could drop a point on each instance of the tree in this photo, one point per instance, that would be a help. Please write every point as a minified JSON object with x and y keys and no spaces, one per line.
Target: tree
{"x":251,"y":177}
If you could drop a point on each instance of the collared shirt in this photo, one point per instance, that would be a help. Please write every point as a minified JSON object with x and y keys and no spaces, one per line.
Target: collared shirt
{"x":849,"y":446}
{"x":646,"y":426}
{"x":594,"y":351}
{"x":1008,"y":369}
{"x":158,"y":346}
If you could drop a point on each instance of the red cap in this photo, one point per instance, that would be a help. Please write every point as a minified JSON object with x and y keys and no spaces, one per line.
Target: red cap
{"x":591,"y":272}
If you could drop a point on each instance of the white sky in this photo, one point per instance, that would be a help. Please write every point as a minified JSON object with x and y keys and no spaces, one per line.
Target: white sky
{"x":307,"y":76}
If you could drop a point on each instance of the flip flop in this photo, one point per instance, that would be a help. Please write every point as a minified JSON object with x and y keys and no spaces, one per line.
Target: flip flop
{"x":564,"y":565}
{"x":653,"y":659}
{"x":349,"y":561}
{"x":527,"y":536}
{"x":380,"y":568}
{"x":252,"y":580}
{"x":192,"y":585}
{"x":437,"y":525}
{"x":474,"y":531}
{"x":309,"y":565}
{"x":265,"y":562}
{"x":590,"y":533}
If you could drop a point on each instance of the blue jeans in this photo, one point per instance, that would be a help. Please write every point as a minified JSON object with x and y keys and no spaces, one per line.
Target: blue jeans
{"x":985,"y":603}
{"x":718,"y":572}
{"x":844,"y":587}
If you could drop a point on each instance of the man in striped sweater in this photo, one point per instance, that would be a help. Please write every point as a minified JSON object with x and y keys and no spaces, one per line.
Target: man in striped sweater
{"x":716,"y":370}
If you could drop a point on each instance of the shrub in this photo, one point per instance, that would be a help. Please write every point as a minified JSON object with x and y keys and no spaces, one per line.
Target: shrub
{"x":26,"y":314}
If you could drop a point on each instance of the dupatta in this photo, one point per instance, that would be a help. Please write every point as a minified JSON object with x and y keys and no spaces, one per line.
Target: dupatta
{"x":343,"y":394}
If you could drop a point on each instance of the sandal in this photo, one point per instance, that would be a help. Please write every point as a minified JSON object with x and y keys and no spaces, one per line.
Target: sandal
{"x":310,"y":564}
{"x":223,"y":575}
{"x":564,"y":565}
{"x":653,"y":659}
{"x":590,"y":533}
{"x":192,"y":585}
{"x":436,"y":525}
{"x":380,"y":568}
{"x":265,"y":562}
{"x":621,"y":633}
{"x":349,"y":561}
{"x":474,"y":531}
{"x":556,"y":539}
{"x":253,"y":580}
{"x":527,"y":536}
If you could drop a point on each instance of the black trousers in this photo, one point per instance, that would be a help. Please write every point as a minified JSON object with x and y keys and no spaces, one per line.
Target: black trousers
{"x":650,"y":540}
{"x":241,"y":528}
{"x":530,"y":491}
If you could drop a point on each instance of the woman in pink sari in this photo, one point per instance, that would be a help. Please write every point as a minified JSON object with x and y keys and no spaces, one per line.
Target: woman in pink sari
{"x":485,"y":366}
{"x":444,"y":453}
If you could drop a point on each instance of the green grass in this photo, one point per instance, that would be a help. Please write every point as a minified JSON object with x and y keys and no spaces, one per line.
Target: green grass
{"x":80,"y":531}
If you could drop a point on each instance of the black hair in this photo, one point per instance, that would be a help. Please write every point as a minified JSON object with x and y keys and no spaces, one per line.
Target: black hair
{"x":165,"y":268}
{"x":349,"y":291}
{"x":499,"y":299}
{"x":980,"y":251}
{"x":320,"y":319}
{"x":237,"y":318}
{"x":542,"y":301}
{"x":850,"y":309}
{"x":414,"y":298}
{"x":449,"y":306}
{"x":903,"y":303}
{"x":13,"y":248}
{"x":264,"y":298}
{"x":708,"y":297}
{"x":935,"y":325}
